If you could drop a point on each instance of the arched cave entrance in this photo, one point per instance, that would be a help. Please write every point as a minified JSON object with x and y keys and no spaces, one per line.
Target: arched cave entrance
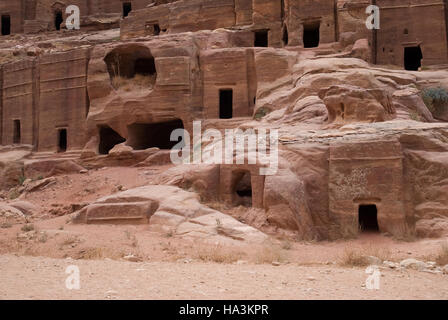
{"x":153,"y":135}
{"x":311,"y":34}
{"x":285,"y":36}
{"x":58,"y":19}
{"x":109,"y":138}
{"x":242,"y":188}
{"x":6,"y":25}
{"x":368,"y":218}
{"x":413,"y":58}
{"x":130,"y":61}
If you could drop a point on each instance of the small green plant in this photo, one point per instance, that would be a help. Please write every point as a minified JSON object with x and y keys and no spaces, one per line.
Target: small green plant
{"x":436,"y":99}
{"x":286,"y":245}
{"x":218,"y":224}
{"x":261,"y":113}
{"x":22,"y":179}
{"x":14,"y":194}
{"x":43,"y":237}
{"x":415,"y":116}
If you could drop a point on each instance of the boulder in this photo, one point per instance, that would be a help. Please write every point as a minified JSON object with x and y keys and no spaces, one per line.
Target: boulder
{"x":25,"y":207}
{"x":10,"y":215}
{"x":414,"y":264}
{"x":170,"y":209}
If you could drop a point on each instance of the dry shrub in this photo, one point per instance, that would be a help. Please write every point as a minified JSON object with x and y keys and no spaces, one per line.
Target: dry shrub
{"x":217,"y":205}
{"x":356,"y":257}
{"x":137,"y":82}
{"x":219,"y":254}
{"x":28,"y":227}
{"x":350,"y":230}
{"x":68,"y":241}
{"x":97,"y":253}
{"x":269,"y":253}
{"x":442,"y":255}
{"x":130,"y":236}
{"x":401,"y":233}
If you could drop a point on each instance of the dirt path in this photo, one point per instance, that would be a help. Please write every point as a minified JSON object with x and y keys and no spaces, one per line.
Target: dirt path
{"x":44,"y":278}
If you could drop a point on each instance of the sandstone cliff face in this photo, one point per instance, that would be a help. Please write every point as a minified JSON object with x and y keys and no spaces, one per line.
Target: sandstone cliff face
{"x":356,"y":138}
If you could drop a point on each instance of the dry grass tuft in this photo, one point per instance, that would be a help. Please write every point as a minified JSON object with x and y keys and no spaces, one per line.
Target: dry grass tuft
{"x":350,"y":230}
{"x":98,"y":253}
{"x":218,"y":254}
{"x":28,"y":227}
{"x":402,"y":233}
{"x":356,"y":257}
{"x":442,"y":255}
{"x":135,"y":83}
{"x":270,"y":253}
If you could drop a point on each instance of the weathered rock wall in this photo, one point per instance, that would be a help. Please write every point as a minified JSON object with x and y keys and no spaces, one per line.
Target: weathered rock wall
{"x":408,"y":24}
{"x":41,"y":96}
{"x":63,"y":100}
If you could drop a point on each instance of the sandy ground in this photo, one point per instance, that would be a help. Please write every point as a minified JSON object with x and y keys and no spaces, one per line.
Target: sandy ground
{"x":33,"y":262}
{"x":44,"y":278}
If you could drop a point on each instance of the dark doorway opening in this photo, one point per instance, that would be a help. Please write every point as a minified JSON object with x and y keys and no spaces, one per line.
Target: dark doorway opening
{"x":226,"y":104}
{"x":153,"y":135}
{"x":243,"y":188}
{"x":413,"y":58}
{"x":156,"y":29}
{"x":58,"y":19}
{"x":127,"y":8}
{"x":17,"y":138}
{"x":261,"y":38}
{"x":368,"y":218}
{"x":109,"y":138}
{"x":62,"y":140}
{"x":6,"y":25}
{"x":128,"y":61}
{"x":285,"y":37}
{"x":145,"y":67}
{"x":311,"y":35}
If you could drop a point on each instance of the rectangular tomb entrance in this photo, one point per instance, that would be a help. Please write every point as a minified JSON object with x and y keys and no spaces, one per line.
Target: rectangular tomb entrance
{"x":368,"y":218}
{"x":366,"y":192}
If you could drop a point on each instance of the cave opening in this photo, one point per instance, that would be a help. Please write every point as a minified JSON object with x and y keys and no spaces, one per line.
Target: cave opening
{"x":368,"y":218}
{"x":413,"y":58}
{"x":58,"y":19}
{"x":144,"y":67}
{"x":261,"y":38}
{"x":153,"y":135}
{"x":285,"y":37}
{"x":226,"y":104}
{"x":156,"y":29}
{"x":6,"y":25}
{"x":62,"y":140}
{"x":129,"y":61}
{"x":127,"y":8}
{"x":311,"y":34}
{"x":243,"y":188}
{"x":17,"y":134}
{"x":109,"y":138}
